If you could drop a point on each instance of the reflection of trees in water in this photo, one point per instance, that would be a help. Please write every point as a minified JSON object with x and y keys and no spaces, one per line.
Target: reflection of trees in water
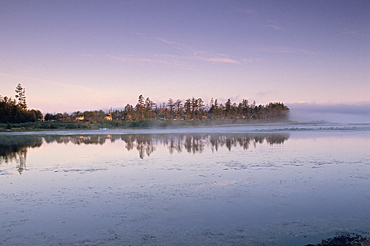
{"x":194,"y":143}
{"x":191,"y":143}
{"x":89,"y":139}
{"x":15,"y":147}
{"x":144,"y":144}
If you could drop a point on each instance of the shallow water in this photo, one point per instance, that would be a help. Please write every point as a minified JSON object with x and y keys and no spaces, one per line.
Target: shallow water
{"x":201,"y":186}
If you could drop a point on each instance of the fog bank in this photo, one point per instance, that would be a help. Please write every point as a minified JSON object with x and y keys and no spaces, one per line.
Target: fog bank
{"x":333,"y":113}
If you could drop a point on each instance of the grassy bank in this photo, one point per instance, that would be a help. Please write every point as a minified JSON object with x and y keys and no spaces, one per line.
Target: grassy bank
{"x":59,"y":125}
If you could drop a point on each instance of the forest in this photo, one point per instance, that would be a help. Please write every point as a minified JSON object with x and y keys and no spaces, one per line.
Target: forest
{"x":188,"y":110}
{"x":145,"y":113}
{"x":15,"y":110}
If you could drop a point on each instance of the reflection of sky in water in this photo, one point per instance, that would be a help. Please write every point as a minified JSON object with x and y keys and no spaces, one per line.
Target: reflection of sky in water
{"x":313,"y":184}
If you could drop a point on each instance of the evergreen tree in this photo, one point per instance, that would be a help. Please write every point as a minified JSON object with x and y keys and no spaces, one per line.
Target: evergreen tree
{"x":178,"y":107}
{"x":170,"y":106}
{"x":21,"y":96}
{"x":188,"y":107}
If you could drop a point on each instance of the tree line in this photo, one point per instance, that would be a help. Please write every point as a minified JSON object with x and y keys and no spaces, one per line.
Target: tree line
{"x":15,"y":110}
{"x":189,"y":110}
{"x":145,"y":110}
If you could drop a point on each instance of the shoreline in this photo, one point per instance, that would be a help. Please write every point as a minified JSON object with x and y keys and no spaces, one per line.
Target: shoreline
{"x":255,"y":127}
{"x":62,"y":126}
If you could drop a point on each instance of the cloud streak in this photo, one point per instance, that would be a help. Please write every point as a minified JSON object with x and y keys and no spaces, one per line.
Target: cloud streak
{"x":357,"y":33}
{"x":289,"y":50}
{"x":200,"y":55}
{"x":274,"y":26}
{"x":186,"y":61}
{"x":222,"y":60}
{"x":181,"y":62}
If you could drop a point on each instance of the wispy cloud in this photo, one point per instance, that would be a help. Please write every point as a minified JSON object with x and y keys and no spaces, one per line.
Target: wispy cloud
{"x":171,"y":42}
{"x":275,"y":26}
{"x":357,"y":33}
{"x":165,"y":59}
{"x":133,"y":58}
{"x":289,"y":50}
{"x":176,"y":45}
{"x":194,"y":54}
{"x":167,"y":41}
{"x":187,"y":60}
{"x":222,"y":60}
{"x":178,"y":61}
{"x":251,"y":60}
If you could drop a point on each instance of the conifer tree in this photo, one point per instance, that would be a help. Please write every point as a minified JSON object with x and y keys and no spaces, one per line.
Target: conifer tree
{"x":21,"y":96}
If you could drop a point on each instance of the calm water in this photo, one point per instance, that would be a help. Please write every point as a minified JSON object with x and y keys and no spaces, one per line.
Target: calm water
{"x":203,"y":186}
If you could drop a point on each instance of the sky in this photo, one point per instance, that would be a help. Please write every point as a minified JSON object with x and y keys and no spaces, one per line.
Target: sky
{"x":91,"y":55}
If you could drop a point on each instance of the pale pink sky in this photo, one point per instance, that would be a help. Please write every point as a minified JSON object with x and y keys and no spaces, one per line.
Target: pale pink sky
{"x":83,"y":55}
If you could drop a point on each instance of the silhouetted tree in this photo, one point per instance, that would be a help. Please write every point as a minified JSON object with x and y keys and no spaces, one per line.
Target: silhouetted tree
{"x":21,"y":96}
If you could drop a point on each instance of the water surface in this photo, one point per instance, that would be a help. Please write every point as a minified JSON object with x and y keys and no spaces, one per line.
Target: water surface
{"x":219,"y":186}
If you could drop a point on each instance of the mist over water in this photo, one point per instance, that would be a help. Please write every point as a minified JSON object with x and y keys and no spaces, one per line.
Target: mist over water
{"x":283,"y":184}
{"x":332,"y":113}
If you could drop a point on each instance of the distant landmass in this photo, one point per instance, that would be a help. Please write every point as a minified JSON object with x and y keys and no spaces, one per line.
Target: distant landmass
{"x":144,"y":114}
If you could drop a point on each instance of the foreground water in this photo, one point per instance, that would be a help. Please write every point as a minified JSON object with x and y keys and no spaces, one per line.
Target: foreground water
{"x":263,"y":185}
